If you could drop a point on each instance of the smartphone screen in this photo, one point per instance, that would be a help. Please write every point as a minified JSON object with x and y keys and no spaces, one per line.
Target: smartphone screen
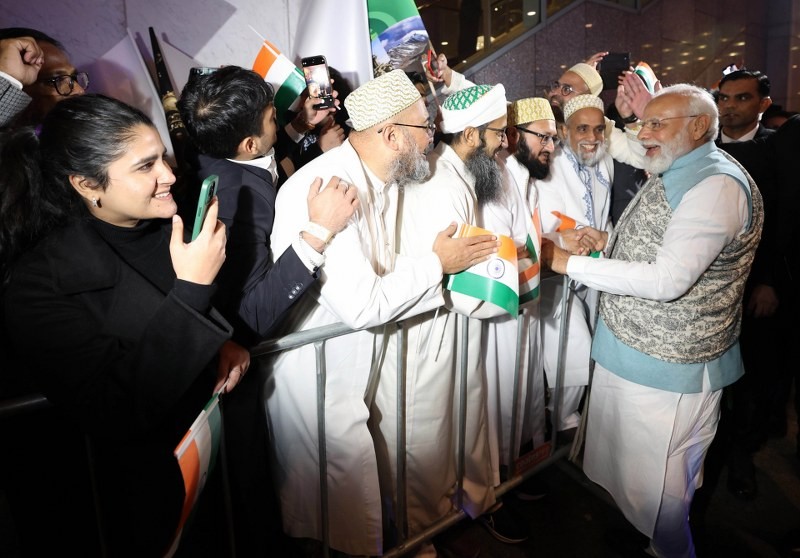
{"x":318,"y":80}
{"x":207,"y":192}
{"x":611,"y":66}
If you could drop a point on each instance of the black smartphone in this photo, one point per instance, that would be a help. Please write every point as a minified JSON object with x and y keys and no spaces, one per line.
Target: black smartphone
{"x":318,"y":80}
{"x":207,"y":192}
{"x":611,"y":66}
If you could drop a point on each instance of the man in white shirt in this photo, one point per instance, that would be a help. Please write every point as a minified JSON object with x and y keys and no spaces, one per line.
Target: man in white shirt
{"x":363,"y":284}
{"x":531,"y":134}
{"x":666,"y":341}
{"x":464,"y":177}
{"x":578,"y":190}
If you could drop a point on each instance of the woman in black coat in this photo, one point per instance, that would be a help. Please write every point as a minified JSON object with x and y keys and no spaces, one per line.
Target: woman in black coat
{"x":108,"y":308}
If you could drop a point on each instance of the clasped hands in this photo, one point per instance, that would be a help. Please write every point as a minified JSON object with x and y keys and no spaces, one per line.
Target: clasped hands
{"x":578,"y":242}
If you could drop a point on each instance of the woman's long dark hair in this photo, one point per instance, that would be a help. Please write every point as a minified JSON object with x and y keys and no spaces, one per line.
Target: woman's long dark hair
{"x":80,"y":136}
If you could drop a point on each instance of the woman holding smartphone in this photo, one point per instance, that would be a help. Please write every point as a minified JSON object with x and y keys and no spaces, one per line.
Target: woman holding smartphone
{"x":107,"y":307}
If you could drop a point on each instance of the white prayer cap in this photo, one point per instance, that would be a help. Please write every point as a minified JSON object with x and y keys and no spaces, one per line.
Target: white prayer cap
{"x":581,"y":102}
{"x":473,"y":106}
{"x":528,"y":110}
{"x":590,"y":77}
{"x":380,"y":99}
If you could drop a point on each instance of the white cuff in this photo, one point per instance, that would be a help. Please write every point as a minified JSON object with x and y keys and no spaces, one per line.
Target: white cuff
{"x":12,"y":80}
{"x":312,"y":259}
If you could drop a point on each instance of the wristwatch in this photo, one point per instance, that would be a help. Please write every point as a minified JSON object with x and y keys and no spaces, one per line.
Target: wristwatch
{"x":630,"y":119}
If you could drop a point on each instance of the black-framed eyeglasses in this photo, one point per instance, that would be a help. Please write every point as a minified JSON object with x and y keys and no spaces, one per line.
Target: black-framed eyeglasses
{"x":64,"y":84}
{"x":431,"y":128}
{"x":501,"y":132}
{"x":655,"y":124}
{"x":564,"y":88}
{"x":544,"y":138}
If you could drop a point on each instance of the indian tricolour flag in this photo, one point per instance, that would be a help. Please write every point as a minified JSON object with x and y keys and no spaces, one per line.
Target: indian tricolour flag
{"x":196,"y":454}
{"x":529,"y":276}
{"x":494,"y":280}
{"x":283,"y":75}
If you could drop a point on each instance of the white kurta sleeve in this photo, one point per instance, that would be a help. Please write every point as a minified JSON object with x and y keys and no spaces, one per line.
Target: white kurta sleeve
{"x":625,"y":147}
{"x":707,"y":219}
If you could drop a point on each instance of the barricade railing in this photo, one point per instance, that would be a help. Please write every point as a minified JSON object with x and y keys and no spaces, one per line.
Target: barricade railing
{"x":318,"y":337}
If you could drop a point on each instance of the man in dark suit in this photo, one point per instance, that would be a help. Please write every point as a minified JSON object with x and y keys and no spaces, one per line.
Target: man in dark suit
{"x":743,"y":96}
{"x":230,"y":116}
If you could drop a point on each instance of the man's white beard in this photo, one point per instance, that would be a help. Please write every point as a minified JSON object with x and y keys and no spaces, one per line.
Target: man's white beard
{"x":667,"y":154}
{"x":591,"y":159}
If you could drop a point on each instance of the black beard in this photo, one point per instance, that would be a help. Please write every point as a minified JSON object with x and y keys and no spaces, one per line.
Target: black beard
{"x":538,"y":170}
{"x":487,"y":175}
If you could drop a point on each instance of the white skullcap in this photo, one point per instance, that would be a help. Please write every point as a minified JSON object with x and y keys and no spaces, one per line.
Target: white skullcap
{"x":528,"y":110}
{"x":581,"y":102}
{"x":589,"y":76}
{"x":473,"y":106}
{"x":380,"y":99}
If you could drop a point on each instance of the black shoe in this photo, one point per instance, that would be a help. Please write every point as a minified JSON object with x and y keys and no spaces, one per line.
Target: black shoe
{"x":502,"y":524}
{"x":531,"y":490}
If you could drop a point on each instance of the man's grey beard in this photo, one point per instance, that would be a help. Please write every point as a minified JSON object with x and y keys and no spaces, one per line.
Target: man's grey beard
{"x":488,"y":182}
{"x":410,"y":165}
{"x":536,"y":168}
{"x":591,"y":159}
{"x":667,"y":154}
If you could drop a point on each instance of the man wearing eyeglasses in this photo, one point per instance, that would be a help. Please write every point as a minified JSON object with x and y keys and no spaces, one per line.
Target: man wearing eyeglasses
{"x":465,"y":176}
{"x":531,"y":134}
{"x":364,"y":283}
{"x":666,"y":342}
{"x":57,"y":78}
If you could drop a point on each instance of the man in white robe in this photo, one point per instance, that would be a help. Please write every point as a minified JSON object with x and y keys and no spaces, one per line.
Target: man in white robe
{"x":464,"y":174}
{"x":578,"y":189}
{"x":364,"y":283}
{"x":531,"y":135}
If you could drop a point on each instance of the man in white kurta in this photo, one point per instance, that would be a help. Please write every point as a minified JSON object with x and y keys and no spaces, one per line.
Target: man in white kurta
{"x":579,"y":188}
{"x":531,"y":135}
{"x":670,"y":314}
{"x":474,"y":120}
{"x":363,"y":284}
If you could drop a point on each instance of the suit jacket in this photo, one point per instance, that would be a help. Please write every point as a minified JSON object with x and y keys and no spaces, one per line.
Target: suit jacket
{"x":785,"y":146}
{"x":253,"y":292}
{"x":131,"y":364}
{"x":754,"y":156}
{"x":12,"y":102}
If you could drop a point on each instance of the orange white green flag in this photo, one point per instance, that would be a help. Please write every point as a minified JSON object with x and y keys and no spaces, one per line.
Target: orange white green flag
{"x":286,"y":79}
{"x":530,"y":269}
{"x":495,"y":280}
{"x":197,"y":454}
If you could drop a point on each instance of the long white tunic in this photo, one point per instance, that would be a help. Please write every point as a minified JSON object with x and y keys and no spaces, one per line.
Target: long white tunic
{"x":512,"y":216}
{"x":363,"y":283}
{"x":565,"y":192}
{"x":432,"y":360}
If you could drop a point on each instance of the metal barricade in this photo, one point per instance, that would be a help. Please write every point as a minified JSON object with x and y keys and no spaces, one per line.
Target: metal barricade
{"x":318,"y":337}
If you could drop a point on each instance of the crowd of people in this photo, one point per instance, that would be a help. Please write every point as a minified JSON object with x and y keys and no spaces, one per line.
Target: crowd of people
{"x":680,"y":295}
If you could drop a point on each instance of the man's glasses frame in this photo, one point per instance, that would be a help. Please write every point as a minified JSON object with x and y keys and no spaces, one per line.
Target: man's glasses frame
{"x":655,"y":124}
{"x":430,"y":128}
{"x":543,"y":138}
{"x":64,"y":84}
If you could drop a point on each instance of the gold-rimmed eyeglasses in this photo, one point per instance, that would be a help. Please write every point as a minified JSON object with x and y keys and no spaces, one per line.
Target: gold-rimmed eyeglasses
{"x":655,"y":124}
